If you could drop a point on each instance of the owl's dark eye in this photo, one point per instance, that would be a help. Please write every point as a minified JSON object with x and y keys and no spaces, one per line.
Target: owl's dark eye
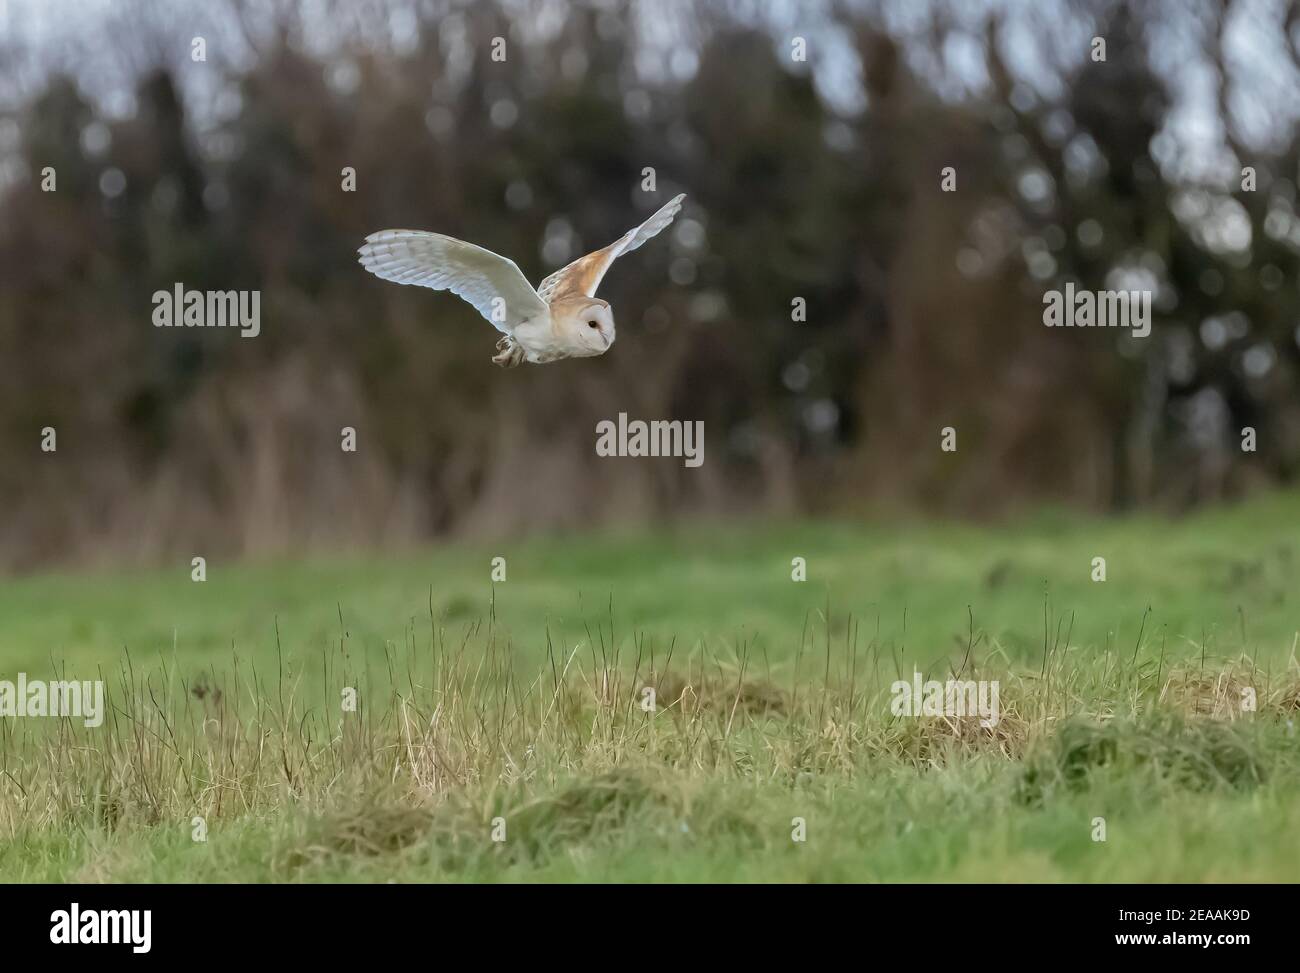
{"x":593,"y":324}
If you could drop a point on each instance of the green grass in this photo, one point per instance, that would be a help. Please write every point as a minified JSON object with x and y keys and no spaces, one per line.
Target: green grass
{"x":519,"y":701}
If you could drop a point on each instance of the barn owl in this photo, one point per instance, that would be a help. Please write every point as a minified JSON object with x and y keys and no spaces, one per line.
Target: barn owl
{"x":562,"y":318}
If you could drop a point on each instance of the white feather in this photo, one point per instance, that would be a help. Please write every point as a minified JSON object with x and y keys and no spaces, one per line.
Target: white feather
{"x":493,"y":284}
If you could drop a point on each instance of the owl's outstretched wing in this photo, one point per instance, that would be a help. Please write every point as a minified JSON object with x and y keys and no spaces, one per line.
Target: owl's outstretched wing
{"x":583,"y":276}
{"x":494,"y":284}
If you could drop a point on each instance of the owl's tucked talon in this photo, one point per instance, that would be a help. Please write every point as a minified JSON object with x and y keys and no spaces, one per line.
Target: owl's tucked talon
{"x":511,"y":353}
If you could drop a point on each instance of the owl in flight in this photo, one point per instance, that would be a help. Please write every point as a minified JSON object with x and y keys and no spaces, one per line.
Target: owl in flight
{"x":562,"y":318}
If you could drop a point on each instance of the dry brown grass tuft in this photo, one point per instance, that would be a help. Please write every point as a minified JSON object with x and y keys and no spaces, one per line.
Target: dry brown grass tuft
{"x":718,"y":695}
{"x":1240,"y":690}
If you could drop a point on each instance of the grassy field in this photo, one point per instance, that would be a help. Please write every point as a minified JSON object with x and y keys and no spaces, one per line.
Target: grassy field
{"x":499,"y":731}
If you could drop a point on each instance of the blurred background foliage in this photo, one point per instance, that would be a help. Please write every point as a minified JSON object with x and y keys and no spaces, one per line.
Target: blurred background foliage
{"x":816,"y":179}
